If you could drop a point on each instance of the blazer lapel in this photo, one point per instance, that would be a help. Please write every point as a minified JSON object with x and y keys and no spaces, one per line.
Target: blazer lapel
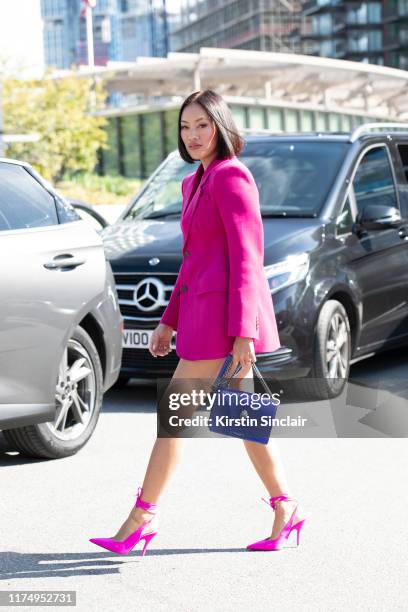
{"x":192,"y":201}
{"x":195,"y":179}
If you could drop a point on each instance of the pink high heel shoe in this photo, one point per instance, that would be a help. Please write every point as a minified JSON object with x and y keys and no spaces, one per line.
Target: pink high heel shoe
{"x":125,"y":546}
{"x":277,"y":543}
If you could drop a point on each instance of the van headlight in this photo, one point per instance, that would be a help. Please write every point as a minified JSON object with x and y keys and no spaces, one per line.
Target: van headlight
{"x":286,"y":272}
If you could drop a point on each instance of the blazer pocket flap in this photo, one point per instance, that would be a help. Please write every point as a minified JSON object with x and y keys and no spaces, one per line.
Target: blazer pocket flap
{"x":213,"y":283}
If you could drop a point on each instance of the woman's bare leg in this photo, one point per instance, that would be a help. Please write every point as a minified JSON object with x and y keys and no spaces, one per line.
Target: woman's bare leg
{"x":166,"y":452}
{"x":268,"y":464}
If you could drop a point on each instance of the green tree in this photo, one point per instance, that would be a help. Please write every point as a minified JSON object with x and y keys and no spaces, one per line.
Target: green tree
{"x":61,"y":112}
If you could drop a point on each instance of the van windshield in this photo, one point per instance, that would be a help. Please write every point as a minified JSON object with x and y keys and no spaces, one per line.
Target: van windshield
{"x":293,"y":178}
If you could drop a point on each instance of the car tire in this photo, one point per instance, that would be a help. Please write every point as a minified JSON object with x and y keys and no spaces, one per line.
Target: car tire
{"x":332,"y":342}
{"x":69,"y":432}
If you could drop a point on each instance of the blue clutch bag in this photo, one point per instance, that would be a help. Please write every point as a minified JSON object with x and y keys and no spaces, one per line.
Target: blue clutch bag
{"x":241,"y":414}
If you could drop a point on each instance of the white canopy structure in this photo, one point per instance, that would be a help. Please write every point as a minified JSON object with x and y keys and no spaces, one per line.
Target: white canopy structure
{"x":275,"y":79}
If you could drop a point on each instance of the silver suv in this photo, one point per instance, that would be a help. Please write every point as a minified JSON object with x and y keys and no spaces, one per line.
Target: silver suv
{"x":60,"y":324}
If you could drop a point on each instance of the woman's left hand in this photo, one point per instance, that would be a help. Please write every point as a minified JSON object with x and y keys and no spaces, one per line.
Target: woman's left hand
{"x":243,"y":352}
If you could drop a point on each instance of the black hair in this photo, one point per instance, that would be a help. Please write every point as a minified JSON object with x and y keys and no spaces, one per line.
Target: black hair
{"x":229,"y":142}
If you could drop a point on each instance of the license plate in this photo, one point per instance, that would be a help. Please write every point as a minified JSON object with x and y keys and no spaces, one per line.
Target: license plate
{"x":139,"y":338}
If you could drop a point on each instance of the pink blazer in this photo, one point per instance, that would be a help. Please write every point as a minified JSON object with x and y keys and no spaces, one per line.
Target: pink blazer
{"x":221,"y":290}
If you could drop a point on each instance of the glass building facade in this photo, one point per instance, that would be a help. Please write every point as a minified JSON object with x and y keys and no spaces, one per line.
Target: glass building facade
{"x":144,"y":29}
{"x":395,"y":17}
{"x":60,"y":31}
{"x":374,"y":31}
{"x":64,"y":32}
{"x":122,"y":29}
{"x":261,"y":25}
{"x":139,"y":141}
{"x":106,"y":34}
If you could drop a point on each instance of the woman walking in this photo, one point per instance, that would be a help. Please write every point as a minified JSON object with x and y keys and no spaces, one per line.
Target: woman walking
{"x":221,"y":304}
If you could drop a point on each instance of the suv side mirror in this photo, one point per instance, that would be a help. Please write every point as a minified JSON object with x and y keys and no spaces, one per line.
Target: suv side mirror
{"x":377,"y":217}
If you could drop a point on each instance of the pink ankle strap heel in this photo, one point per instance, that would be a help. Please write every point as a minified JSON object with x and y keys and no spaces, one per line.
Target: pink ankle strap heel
{"x":123,"y":547}
{"x":277,"y":543}
{"x":142,"y":504}
{"x":272,"y":500}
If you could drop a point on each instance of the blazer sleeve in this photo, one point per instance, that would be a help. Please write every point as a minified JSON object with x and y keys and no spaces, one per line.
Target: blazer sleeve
{"x":171,"y":312}
{"x":237,"y":199}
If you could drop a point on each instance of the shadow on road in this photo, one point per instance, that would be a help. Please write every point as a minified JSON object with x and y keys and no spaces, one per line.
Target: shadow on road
{"x":132,"y":398}
{"x":48,"y":565}
{"x":388,"y":371}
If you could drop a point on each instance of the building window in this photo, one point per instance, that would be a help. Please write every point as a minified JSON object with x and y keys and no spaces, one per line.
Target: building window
{"x":131,"y":146}
{"x":368,"y":41}
{"x":291,"y":120}
{"x":306,"y":121}
{"x":327,"y":48}
{"x":345,"y":123}
{"x":110,"y":155}
{"x":374,"y":12}
{"x":334,"y":121}
{"x":275,"y":119}
{"x":171,"y":129}
{"x":323,"y":24}
{"x":365,"y":14}
{"x":256,"y":118}
{"x":239,"y":115}
{"x":320,"y":119}
{"x":152,"y":142}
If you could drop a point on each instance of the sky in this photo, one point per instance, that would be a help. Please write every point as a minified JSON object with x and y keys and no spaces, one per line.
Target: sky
{"x":21,"y":35}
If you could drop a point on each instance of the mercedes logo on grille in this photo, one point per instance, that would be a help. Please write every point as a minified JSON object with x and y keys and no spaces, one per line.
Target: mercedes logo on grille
{"x":149,"y":294}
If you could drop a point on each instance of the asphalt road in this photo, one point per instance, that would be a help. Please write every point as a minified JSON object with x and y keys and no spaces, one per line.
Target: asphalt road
{"x":353,"y":551}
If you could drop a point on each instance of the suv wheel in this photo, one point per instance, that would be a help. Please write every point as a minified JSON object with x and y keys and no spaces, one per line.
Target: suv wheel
{"x":78,"y":400}
{"x":332,"y":355}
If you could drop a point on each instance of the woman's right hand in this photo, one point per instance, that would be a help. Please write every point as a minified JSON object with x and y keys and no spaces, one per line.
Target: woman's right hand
{"x":159,"y":345}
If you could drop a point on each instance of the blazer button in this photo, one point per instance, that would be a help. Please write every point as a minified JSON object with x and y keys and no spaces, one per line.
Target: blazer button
{"x":184,"y":288}
{"x":186,"y":254}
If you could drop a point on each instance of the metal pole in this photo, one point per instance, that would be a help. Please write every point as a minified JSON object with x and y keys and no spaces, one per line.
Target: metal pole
{"x":166,"y":30}
{"x":152,"y":29}
{"x":89,"y":36}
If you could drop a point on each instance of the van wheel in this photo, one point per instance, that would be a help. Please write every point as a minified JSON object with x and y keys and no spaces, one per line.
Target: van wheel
{"x":78,"y":399}
{"x":332,"y":354}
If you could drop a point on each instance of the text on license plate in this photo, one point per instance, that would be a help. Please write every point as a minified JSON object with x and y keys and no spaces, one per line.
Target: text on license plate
{"x":139,"y":338}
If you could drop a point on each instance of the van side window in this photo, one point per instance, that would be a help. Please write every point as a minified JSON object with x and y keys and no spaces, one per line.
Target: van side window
{"x":345,"y":219}
{"x":403,"y":151}
{"x":374,"y":183}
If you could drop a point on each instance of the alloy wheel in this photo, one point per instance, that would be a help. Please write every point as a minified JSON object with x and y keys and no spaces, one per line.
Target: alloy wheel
{"x":337,"y":347}
{"x":75,"y":394}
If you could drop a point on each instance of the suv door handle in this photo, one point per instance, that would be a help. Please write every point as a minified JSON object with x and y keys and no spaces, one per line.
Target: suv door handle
{"x":61,"y":262}
{"x":403,"y":232}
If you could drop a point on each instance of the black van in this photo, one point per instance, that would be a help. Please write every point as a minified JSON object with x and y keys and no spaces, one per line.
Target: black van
{"x":335,"y":213}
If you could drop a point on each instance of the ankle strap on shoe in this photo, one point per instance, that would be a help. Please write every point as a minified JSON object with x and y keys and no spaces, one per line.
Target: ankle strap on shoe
{"x":143,"y":504}
{"x":272,"y":500}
